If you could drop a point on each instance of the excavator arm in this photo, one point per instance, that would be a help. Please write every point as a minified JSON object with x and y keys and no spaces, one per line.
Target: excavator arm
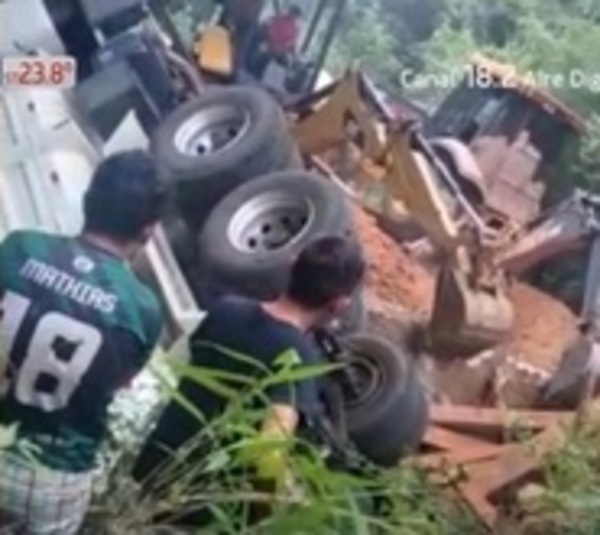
{"x":572,"y":226}
{"x":349,"y":112}
{"x":567,"y":227}
{"x":470,"y":311}
{"x":590,"y":312}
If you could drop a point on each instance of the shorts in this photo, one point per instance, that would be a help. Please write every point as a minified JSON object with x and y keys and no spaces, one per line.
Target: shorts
{"x":41,"y":501}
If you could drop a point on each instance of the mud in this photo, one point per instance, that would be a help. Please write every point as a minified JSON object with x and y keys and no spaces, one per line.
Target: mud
{"x":393,"y":276}
{"x":543,"y":326}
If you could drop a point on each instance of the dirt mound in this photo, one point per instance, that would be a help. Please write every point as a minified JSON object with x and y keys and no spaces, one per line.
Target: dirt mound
{"x":543,"y":325}
{"x":393,"y":275}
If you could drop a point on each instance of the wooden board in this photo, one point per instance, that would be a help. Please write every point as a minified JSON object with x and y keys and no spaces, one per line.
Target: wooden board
{"x":467,"y":438}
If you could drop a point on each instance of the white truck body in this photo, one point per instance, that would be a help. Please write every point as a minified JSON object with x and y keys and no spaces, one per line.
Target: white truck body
{"x":47,"y":161}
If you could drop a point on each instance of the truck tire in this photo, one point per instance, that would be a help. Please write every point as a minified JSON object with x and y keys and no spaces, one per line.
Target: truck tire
{"x":212,"y":144}
{"x":389,"y":417}
{"x":254,"y":234}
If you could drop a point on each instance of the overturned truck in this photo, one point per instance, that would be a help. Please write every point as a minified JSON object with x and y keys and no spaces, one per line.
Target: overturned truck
{"x":242,"y":201}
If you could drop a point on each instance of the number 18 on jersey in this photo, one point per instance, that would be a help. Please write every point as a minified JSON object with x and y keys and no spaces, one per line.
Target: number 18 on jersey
{"x":57,"y":353}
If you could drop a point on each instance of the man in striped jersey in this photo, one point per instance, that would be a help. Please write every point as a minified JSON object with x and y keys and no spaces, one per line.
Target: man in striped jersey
{"x":75,"y":326}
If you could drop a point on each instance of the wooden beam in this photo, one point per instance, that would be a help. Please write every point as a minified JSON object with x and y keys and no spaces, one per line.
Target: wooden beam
{"x":492,"y":423}
{"x":508,"y":469}
{"x":444,"y":460}
{"x":453,"y":441}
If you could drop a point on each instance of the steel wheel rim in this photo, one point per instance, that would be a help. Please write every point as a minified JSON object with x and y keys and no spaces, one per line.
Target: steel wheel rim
{"x":270,"y":221}
{"x":211,"y":130}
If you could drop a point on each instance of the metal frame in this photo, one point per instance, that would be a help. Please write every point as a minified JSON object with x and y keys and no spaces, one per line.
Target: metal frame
{"x":329,"y":35}
{"x":160,"y":12}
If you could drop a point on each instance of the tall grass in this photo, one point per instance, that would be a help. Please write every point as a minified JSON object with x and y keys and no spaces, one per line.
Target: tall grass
{"x":320,"y":499}
{"x":569,"y":502}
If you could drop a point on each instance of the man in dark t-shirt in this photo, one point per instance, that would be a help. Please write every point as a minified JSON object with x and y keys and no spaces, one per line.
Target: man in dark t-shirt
{"x":322,"y":281}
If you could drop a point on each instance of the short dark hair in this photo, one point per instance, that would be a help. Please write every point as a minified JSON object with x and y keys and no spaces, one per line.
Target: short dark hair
{"x":124,"y":196}
{"x":327,"y":269}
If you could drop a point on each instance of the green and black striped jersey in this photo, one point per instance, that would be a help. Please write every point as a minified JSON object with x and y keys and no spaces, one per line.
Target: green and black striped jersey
{"x":75,"y":326}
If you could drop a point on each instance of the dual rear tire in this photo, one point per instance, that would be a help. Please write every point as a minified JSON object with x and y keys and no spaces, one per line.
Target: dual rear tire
{"x":249,"y":210}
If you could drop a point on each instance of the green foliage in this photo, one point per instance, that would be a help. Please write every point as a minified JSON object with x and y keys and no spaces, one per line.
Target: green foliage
{"x":322,"y":499}
{"x":365,"y":40}
{"x":538,"y":36}
{"x":318,"y":499}
{"x":552,"y":39}
{"x":556,"y":37}
{"x":7,"y":436}
{"x":570,"y":503}
{"x":587,"y":165}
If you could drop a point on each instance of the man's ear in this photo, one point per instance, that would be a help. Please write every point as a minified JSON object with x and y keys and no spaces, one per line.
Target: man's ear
{"x":341,"y":304}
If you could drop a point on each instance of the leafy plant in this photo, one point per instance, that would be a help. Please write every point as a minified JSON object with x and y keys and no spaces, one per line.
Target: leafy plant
{"x":569,"y":503}
{"x":320,"y":499}
{"x":8,"y":436}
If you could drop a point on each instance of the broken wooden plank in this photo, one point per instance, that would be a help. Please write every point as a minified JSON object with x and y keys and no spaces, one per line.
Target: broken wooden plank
{"x":488,"y":474}
{"x":488,"y":477}
{"x":478,"y":502}
{"x":517,"y":461}
{"x":513,"y":465}
{"x":444,"y":460}
{"x":457,"y":450}
{"x":453,"y":442}
{"x":490,"y":416}
{"x":492,"y":423}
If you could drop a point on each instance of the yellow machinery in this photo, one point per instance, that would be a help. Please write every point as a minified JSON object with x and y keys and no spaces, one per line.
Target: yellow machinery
{"x":225,"y":38}
{"x":471,"y":311}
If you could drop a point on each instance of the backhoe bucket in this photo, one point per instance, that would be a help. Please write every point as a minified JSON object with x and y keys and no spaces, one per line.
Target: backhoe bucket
{"x":465,"y":320}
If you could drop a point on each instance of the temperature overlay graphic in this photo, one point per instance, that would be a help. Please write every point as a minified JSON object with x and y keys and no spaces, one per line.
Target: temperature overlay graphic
{"x":58,"y":72}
